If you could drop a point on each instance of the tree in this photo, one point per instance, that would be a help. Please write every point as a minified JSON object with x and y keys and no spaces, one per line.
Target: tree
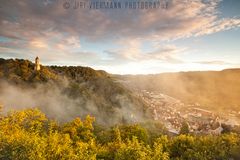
{"x":135,"y":130}
{"x":133,"y":150}
{"x":80,"y":130}
{"x":30,"y":135}
{"x":1,"y":109}
{"x":226,"y":128}
{"x":184,"y":129}
{"x":160,"y":148}
{"x":180,"y":145}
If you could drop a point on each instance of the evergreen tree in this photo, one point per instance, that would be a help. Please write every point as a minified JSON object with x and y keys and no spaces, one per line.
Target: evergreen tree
{"x":184,"y":129}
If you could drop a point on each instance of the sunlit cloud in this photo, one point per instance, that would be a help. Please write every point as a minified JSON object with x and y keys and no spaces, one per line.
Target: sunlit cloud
{"x":221,"y":25}
{"x":214,"y":62}
{"x":59,"y":36}
{"x":38,"y":44}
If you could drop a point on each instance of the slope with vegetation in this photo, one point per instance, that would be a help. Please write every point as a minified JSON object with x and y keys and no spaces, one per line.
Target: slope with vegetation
{"x":85,"y":91}
{"x":117,"y":133}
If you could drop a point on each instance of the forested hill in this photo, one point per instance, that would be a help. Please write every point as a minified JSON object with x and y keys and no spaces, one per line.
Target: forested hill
{"x":23,"y":70}
{"x":67,"y":92}
{"x":215,"y":90}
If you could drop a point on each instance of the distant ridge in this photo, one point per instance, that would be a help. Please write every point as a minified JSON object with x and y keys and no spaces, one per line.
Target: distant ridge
{"x":216,"y":90}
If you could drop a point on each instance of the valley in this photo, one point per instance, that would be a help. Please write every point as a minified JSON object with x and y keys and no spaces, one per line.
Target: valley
{"x":173,"y":113}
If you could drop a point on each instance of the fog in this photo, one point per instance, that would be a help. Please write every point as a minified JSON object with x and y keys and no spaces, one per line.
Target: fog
{"x":217,"y":91}
{"x":53,"y":100}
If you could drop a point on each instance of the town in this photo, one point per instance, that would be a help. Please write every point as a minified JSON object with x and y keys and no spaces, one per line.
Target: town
{"x":173,"y":113}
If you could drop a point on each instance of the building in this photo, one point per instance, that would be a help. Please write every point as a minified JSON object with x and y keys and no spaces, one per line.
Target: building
{"x":203,"y":112}
{"x":37,"y":64}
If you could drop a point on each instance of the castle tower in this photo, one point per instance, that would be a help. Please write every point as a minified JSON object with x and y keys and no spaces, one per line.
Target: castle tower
{"x":37,"y":64}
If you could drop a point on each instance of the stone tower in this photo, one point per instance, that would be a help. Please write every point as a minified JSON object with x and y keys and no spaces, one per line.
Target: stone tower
{"x":37,"y":64}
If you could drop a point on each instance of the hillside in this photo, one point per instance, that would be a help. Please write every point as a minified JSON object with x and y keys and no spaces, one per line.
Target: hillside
{"x":67,"y":92}
{"x":215,"y":90}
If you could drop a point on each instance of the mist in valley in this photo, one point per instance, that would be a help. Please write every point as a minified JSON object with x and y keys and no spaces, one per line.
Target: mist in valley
{"x":214,"y":90}
{"x":57,"y":103}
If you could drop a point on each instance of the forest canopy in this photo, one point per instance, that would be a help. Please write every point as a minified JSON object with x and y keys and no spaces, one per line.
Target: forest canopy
{"x":29,"y":134}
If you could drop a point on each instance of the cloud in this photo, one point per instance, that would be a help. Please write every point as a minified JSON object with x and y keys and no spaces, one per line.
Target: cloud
{"x":32,"y":18}
{"x":45,"y":28}
{"x":131,"y":51}
{"x":38,"y":44}
{"x":214,"y":62}
{"x":168,"y":53}
{"x":220,"y":25}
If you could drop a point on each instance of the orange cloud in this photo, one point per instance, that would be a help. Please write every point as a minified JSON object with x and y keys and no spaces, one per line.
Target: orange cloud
{"x":38,"y":44}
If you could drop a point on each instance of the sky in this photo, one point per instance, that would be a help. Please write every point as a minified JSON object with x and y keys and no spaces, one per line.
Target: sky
{"x":187,"y":35}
